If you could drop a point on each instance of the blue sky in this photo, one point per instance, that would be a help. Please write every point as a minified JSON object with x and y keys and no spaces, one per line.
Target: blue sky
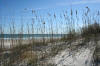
{"x":22,"y":8}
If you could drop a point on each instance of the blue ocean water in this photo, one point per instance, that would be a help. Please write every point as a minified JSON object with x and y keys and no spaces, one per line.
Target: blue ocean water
{"x":30,"y":35}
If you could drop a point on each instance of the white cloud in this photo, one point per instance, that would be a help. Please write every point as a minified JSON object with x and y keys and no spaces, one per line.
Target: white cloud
{"x":68,"y":3}
{"x":79,"y":2}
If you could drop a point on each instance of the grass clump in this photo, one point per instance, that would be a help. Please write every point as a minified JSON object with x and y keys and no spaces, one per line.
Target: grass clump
{"x":32,"y":57}
{"x":70,"y":36}
{"x":91,"y":30}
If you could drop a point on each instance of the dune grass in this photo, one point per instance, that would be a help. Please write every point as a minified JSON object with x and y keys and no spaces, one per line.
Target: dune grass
{"x":63,"y":23}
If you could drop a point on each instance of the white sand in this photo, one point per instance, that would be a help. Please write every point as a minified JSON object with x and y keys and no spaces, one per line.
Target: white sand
{"x":81,"y":58}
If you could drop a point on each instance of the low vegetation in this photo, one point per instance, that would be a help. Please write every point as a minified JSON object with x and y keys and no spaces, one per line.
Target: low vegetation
{"x":69,"y":25}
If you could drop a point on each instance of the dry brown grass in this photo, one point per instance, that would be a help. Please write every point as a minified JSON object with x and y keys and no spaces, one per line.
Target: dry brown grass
{"x":29,"y":55}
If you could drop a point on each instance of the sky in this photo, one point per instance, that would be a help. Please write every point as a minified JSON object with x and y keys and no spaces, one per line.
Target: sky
{"x":15,"y":9}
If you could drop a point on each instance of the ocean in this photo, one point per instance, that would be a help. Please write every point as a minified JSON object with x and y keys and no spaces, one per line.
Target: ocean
{"x":31,"y":35}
